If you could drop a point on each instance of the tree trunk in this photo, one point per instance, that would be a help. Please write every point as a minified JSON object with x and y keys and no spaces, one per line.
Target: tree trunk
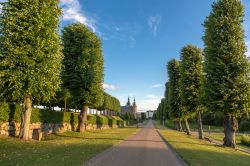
{"x":65,"y":104}
{"x":82,"y":119}
{"x":230,"y":126}
{"x":176,"y":126}
{"x":22,"y":122}
{"x":187,"y":127}
{"x":179,"y":126}
{"x":199,"y":123}
{"x":25,"y":123}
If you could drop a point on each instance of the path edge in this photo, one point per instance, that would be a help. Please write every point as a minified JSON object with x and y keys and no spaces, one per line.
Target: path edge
{"x":86,"y":163}
{"x":172,"y":149}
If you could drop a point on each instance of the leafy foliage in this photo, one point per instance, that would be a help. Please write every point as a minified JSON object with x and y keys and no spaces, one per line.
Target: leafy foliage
{"x":83,"y":71}
{"x":4,"y":111}
{"x":174,"y":94}
{"x":111,"y":103}
{"x":244,"y":125}
{"x":30,"y":54}
{"x":191,"y":79}
{"x":226,"y":67}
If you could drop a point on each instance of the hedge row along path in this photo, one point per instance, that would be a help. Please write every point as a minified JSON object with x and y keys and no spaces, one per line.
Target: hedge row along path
{"x":145,"y":148}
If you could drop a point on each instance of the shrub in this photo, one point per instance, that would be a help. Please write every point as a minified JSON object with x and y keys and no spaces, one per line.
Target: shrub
{"x":245,"y":140}
{"x":244,"y":125}
{"x":13,"y":113}
{"x":70,"y":117}
{"x":102,"y":120}
{"x":119,"y":121}
{"x":91,"y":119}
{"x":4,"y":112}
{"x":17,"y":108}
{"x":214,"y":119}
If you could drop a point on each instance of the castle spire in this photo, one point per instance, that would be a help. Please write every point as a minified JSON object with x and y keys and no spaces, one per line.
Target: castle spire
{"x":128,"y":103}
{"x":134,"y":103}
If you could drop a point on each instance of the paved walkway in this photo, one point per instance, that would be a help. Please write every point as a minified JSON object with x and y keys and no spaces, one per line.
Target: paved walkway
{"x":146,"y":148}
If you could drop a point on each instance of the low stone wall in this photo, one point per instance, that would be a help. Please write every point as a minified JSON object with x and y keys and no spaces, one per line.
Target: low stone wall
{"x":13,"y":129}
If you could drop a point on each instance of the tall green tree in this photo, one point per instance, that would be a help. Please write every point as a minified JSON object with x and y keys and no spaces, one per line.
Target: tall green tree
{"x":110,"y":103}
{"x":83,"y":68}
{"x":166,"y":94}
{"x":30,"y":59}
{"x":174,"y":97}
{"x":191,"y":84}
{"x":226,"y":66}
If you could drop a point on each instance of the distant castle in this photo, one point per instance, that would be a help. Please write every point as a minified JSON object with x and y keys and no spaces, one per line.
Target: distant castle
{"x":129,"y":108}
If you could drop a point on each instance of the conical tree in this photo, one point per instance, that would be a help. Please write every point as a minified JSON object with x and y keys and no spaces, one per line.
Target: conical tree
{"x":166,"y":101}
{"x":226,"y":66}
{"x":83,"y":68}
{"x":30,"y":60}
{"x":174,"y":97}
{"x":191,"y":84}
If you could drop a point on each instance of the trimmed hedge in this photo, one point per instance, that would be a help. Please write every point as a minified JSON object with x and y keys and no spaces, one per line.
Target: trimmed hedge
{"x":119,"y":121}
{"x":12,"y":113}
{"x":102,"y":120}
{"x":4,"y":112}
{"x":91,"y":119}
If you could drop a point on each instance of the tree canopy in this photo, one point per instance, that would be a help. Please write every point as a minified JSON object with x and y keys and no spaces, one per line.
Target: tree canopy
{"x":83,"y":69}
{"x":226,"y":67}
{"x":30,"y":55}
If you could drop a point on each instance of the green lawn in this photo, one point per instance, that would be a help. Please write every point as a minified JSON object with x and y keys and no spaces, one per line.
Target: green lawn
{"x":220,"y":136}
{"x":194,"y":127}
{"x":201,"y":153}
{"x":70,"y":148}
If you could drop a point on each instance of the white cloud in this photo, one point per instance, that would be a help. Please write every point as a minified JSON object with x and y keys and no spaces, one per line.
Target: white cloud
{"x":152,"y":96}
{"x":153,"y":23}
{"x":109,"y":86}
{"x":157,"y":86}
{"x":72,"y":11}
{"x":150,"y":104}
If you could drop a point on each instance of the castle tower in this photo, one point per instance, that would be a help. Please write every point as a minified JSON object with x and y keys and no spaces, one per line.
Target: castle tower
{"x":134,"y":108}
{"x":128,"y":103}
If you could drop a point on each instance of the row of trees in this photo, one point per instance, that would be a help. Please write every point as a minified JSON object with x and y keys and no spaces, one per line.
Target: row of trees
{"x":37,"y":65}
{"x":216,"y":79}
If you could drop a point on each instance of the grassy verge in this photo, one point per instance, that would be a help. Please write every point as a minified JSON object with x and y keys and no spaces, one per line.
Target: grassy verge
{"x":201,"y":153}
{"x":194,"y":127}
{"x":220,"y":136}
{"x":70,"y":148}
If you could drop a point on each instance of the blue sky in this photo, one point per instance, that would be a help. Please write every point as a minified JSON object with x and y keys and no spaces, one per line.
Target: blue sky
{"x":139,"y":37}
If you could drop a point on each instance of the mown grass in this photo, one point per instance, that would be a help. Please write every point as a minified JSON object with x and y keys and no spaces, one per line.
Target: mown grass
{"x":194,"y":127}
{"x":70,"y":148}
{"x":197,"y":152}
{"x":220,"y":136}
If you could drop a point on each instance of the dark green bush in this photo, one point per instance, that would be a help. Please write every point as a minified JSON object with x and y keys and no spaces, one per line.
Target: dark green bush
{"x":244,"y":125}
{"x":245,"y":140}
{"x":17,"y":113}
{"x":4,"y":112}
{"x":213,"y":119}
{"x":119,"y":121}
{"x":91,"y":119}
{"x":13,"y":112}
{"x":102,"y":120}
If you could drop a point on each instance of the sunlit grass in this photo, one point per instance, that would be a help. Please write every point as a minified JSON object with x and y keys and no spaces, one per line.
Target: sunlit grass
{"x":70,"y":148}
{"x":201,"y":153}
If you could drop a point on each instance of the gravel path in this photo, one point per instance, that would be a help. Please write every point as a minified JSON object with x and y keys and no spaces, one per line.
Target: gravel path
{"x":145,"y":148}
